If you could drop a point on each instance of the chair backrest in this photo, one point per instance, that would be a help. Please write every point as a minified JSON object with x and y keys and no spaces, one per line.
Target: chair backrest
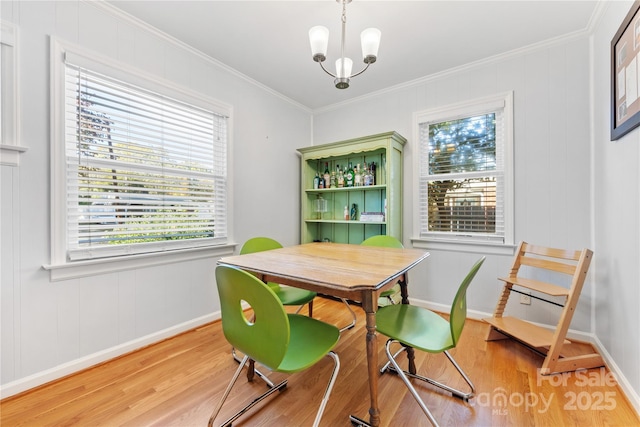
{"x":265,"y":337}
{"x":259,"y":244}
{"x":383,"y":241}
{"x":458,"y":313}
{"x":544,"y":263}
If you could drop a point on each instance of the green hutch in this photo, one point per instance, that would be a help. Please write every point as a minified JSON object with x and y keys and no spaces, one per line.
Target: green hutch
{"x":378,"y":205}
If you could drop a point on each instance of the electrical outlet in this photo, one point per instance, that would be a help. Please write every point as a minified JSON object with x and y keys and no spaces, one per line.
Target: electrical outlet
{"x":525,"y":299}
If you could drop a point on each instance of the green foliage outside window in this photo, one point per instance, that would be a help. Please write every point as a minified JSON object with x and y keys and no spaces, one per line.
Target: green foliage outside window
{"x":461,"y":189}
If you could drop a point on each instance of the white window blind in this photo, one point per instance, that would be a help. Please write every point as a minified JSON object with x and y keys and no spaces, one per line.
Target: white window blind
{"x":145,"y":172}
{"x":462,"y":173}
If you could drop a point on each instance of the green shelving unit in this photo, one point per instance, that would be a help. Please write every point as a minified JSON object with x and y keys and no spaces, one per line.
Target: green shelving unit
{"x":384,"y":197}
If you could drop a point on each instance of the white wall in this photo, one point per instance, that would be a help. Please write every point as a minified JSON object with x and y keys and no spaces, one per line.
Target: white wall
{"x":53,"y":328}
{"x":616,"y":179}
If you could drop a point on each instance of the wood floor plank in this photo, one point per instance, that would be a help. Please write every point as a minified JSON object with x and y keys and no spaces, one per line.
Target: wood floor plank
{"x":177,"y":382}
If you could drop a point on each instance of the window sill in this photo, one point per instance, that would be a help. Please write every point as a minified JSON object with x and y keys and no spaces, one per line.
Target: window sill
{"x":488,"y":248}
{"x":10,"y":154}
{"x":77,"y":269}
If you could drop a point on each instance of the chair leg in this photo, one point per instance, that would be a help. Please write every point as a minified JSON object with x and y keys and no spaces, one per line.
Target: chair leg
{"x":387,"y":366}
{"x":353,"y":317}
{"x":257,"y":372}
{"x":462,"y":395}
{"x":455,"y":392}
{"x":327,"y":391}
{"x":412,"y":390}
{"x":278,"y":387}
{"x":272,"y":389}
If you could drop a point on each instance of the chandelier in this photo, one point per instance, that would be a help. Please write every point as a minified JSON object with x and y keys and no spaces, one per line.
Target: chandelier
{"x":319,"y":39}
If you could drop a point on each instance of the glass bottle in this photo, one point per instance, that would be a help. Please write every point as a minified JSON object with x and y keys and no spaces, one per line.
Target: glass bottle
{"x":373,"y":173}
{"x":340,"y":178}
{"x":326,"y":175}
{"x":349,"y":176}
{"x":316,"y":181}
{"x":366,"y":180}
{"x":357,"y":179}
{"x":333,"y":182}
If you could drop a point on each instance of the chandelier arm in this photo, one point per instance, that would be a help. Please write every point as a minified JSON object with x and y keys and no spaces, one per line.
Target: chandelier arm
{"x":327,"y":71}
{"x":361,"y":71}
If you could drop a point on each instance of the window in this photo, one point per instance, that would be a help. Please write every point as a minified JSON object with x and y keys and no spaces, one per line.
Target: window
{"x":145,"y":170}
{"x":10,"y":149}
{"x":464,"y":169}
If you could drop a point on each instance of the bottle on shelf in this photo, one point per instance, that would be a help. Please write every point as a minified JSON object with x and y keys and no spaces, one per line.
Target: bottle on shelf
{"x":333,"y":180}
{"x":321,"y":182}
{"x":346,"y":213}
{"x":357,"y":179}
{"x":373,"y":173}
{"x":316,"y":181}
{"x":340,"y":178}
{"x":349,"y":176}
{"x":326,"y":175}
{"x":372,"y":177}
{"x":366,"y":181}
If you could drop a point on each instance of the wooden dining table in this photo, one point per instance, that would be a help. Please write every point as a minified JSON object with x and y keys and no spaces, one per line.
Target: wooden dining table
{"x":355,"y":272}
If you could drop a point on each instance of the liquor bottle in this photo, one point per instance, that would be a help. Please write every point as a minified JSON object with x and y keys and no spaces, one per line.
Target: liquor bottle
{"x":333,"y":181}
{"x":326,"y":176}
{"x":316,"y":181}
{"x":348,"y":179}
{"x":357,"y":179}
{"x":321,"y":183}
{"x":340,"y":178}
{"x":366,"y":181}
{"x":373,"y":173}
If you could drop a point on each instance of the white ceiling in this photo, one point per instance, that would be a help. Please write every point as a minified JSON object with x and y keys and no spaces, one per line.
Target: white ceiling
{"x":268,"y":42}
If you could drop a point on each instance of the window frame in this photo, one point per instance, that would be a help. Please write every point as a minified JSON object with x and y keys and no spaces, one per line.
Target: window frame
{"x":10,"y":148}
{"x":502,"y":103}
{"x":60,"y":266}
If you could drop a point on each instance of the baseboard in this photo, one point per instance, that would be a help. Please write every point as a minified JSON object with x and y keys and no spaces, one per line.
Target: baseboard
{"x":61,"y":371}
{"x":630,"y":394}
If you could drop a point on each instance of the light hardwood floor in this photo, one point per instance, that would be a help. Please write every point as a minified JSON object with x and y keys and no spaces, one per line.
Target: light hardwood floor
{"x":178,"y":381}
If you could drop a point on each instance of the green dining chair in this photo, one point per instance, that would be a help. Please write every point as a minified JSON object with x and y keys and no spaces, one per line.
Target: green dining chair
{"x":282,"y":342}
{"x":387,"y":242}
{"x":425,"y":330}
{"x":288,"y":295}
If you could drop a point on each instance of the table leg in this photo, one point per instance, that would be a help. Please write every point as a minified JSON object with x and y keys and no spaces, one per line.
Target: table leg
{"x":370,"y":304}
{"x":251,"y":369}
{"x":404,"y":292}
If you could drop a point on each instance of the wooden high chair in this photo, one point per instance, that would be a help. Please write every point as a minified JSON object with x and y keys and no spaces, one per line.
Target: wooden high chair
{"x":549,"y":343}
